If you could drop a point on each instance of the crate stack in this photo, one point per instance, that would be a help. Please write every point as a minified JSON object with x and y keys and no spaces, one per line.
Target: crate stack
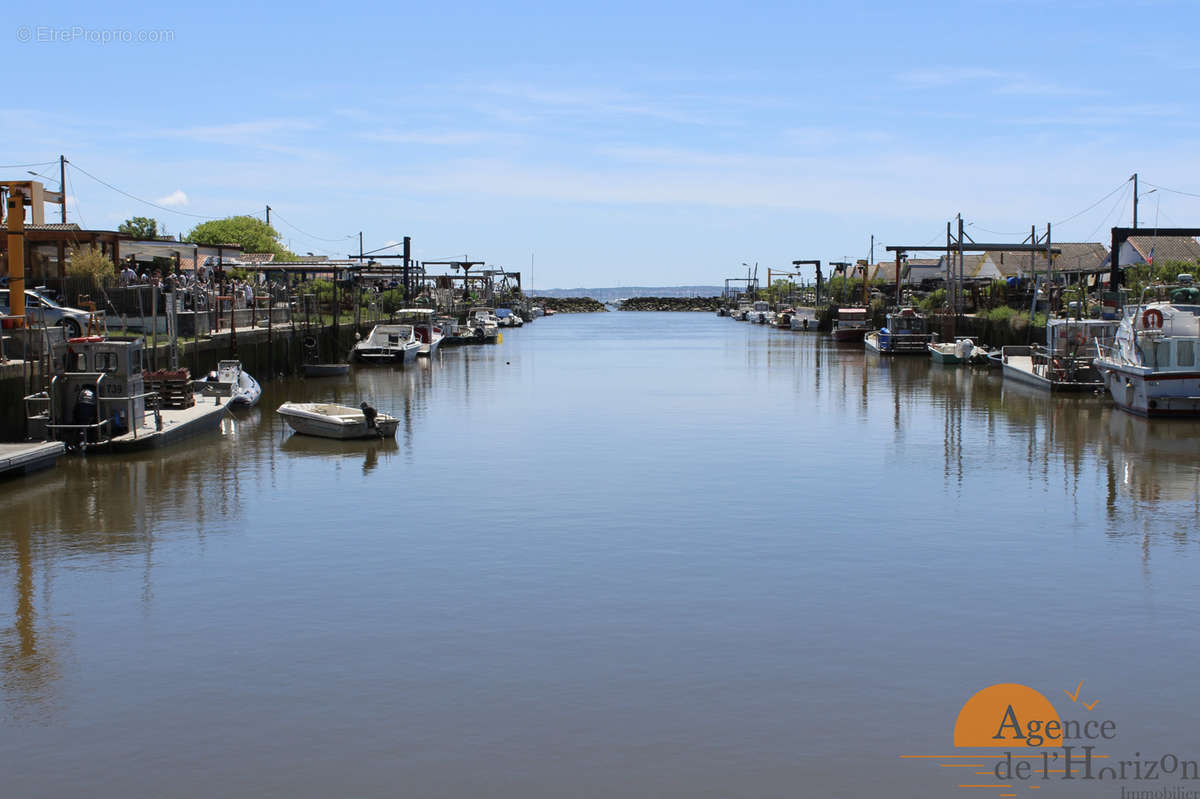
{"x":174,"y":387}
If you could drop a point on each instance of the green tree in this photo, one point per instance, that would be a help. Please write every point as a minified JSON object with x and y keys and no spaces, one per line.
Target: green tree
{"x":141,"y":227}
{"x":88,"y":261}
{"x":253,"y":234}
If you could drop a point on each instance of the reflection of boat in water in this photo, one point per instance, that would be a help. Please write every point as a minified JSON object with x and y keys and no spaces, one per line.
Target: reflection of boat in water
{"x":369,"y":450}
{"x":326,"y":369}
{"x":1155,"y":461}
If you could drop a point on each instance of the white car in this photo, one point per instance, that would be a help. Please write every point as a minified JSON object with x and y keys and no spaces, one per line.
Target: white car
{"x":40,"y":308}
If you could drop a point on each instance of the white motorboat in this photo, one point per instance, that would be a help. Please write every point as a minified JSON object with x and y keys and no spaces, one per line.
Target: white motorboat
{"x":804,"y":319}
{"x":329,"y":420}
{"x":760,"y":313}
{"x":388,"y":343}
{"x":244,"y":390}
{"x":506,"y":317}
{"x":481,"y":325}
{"x":1152,"y":369}
{"x":428,"y":333}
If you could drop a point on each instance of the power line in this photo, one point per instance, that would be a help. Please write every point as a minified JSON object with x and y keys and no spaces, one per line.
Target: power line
{"x":1093,"y":205}
{"x":75,"y":196}
{"x":1173,"y":191}
{"x":1123,"y":201}
{"x":74,"y":165}
{"x":993,"y":232}
{"x":306,"y":233}
{"x":23,"y":166}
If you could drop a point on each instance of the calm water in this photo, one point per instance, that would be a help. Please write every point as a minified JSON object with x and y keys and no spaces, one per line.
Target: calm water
{"x":618,"y":555}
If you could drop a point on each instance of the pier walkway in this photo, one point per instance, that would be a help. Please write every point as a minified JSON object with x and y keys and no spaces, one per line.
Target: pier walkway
{"x":26,"y":457}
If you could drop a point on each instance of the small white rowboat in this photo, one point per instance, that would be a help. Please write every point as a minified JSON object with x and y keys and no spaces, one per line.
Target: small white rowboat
{"x":328,"y":420}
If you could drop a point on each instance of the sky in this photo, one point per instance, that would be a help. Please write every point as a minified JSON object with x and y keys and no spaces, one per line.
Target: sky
{"x":616,"y":143}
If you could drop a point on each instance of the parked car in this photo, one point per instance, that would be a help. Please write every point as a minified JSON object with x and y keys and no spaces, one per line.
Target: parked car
{"x":39,"y":307}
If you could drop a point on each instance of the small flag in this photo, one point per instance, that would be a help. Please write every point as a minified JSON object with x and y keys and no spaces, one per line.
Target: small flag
{"x":1150,"y":259}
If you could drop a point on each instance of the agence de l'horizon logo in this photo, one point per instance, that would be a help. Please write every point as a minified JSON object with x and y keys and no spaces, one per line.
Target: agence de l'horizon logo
{"x":1009,"y":740}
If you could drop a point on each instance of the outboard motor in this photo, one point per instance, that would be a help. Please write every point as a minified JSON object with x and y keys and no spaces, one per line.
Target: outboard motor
{"x":84,"y":412}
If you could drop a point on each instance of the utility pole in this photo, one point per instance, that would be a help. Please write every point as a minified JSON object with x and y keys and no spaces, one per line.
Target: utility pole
{"x":360,"y":248}
{"x":961,"y":268}
{"x":1135,"y":200}
{"x":63,"y":187}
{"x":407,"y":256}
{"x":268,"y":214}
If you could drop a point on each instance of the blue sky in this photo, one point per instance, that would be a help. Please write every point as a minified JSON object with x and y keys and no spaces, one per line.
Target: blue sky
{"x":622,"y":143}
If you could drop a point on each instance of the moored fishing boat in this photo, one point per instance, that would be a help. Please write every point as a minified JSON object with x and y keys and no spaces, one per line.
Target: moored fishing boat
{"x":906,"y":333}
{"x":803,"y":319}
{"x":850,"y":325}
{"x":1152,"y":369}
{"x":98,"y":399}
{"x":1064,"y":364}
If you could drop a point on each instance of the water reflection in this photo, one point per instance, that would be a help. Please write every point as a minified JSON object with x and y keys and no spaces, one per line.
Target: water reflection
{"x":369,"y":452}
{"x":30,"y":645}
{"x":591,"y":530}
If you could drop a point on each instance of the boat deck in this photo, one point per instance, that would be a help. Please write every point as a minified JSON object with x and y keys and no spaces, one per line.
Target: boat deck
{"x":28,"y":456}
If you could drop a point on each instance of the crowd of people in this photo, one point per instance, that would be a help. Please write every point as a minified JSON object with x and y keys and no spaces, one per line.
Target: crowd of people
{"x":203,"y":288}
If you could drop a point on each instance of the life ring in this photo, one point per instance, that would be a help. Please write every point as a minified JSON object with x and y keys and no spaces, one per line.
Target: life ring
{"x":1152,"y":319}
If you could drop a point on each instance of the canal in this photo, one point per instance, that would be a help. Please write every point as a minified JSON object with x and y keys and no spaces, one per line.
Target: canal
{"x":619,"y":554}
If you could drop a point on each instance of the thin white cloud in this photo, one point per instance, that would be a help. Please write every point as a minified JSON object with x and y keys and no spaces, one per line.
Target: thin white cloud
{"x":438,"y":138}
{"x":174,"y":199}
{"x":994,"y":81}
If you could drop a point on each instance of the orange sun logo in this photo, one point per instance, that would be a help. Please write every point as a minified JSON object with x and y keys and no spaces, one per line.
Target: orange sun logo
{"x":999,"y":715}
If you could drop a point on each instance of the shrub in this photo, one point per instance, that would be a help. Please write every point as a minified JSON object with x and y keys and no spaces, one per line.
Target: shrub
{"x":88,"y":261}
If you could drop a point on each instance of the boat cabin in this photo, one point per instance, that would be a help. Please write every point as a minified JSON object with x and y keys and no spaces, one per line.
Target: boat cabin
{"x":906,"y":321}
{"x":852,"y":317}
{"x":98,"y":390}
{"x":1077,"y":337}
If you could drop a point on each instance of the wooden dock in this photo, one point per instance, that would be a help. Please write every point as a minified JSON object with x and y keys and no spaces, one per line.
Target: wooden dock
{"x":26,"y":457}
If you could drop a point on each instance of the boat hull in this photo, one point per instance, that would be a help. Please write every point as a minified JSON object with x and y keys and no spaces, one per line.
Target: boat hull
{"x":897,"y":344}
{"x":948,"y":358}
{"x":344,"y":427}
{"x":849,"y":334}
{"x":1144,"y":392}
{"x":1018,"y":365}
